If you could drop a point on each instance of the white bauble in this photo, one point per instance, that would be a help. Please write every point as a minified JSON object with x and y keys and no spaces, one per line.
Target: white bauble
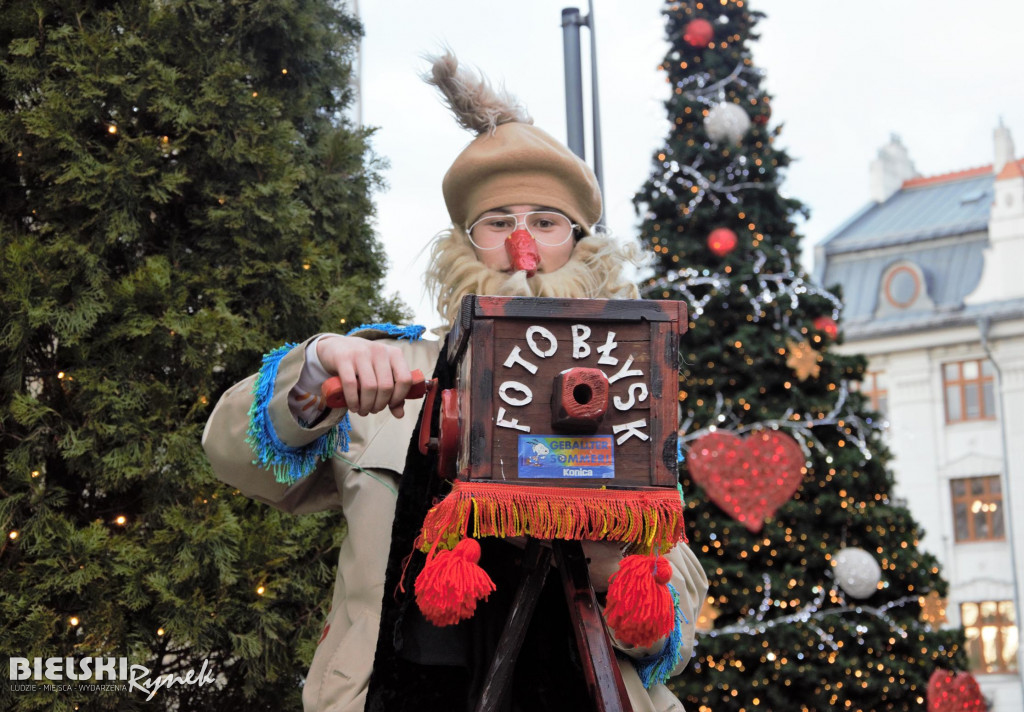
{"x":727,"y":122}
{"x":857,"y":572}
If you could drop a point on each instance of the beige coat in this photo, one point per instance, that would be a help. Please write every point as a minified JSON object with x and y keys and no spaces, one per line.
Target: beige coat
{"x":363,"y":483}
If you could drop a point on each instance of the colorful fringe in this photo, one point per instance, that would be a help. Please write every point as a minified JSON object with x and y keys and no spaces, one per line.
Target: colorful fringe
{"x":656,"y":669}
{"x":413,"y":332}
{"x":289,"y":464}
{"x":648,"y":519}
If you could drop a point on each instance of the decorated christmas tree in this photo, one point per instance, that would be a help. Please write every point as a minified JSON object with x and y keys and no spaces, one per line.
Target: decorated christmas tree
{"x":180,"y":192}
{"x":818,"y":579}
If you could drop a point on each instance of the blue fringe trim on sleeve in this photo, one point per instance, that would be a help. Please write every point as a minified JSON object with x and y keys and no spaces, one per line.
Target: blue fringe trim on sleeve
{"x":413,"y":332}
{"x":289,"y":464}
{"x":656,"y":669}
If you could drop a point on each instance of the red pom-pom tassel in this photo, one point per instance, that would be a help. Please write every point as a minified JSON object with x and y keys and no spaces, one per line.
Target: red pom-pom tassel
{"x":640,"y":609}
{"x":451,"y":583}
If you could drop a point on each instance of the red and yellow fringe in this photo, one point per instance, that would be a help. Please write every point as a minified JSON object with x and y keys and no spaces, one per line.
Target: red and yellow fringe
{"x":649,"y":519}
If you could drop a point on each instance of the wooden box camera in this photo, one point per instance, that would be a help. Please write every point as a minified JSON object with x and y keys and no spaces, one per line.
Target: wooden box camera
{"x":566,"y":392}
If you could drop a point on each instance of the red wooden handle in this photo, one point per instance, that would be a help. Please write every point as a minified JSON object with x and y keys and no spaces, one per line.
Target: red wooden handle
{"x":335,"y":398}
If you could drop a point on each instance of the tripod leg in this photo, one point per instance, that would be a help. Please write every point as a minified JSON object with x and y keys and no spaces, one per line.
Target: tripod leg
{"x":537,"y":561}
{"x":596,"y":652}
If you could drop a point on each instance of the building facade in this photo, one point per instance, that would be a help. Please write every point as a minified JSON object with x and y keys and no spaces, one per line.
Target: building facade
{"x":932,"y":278}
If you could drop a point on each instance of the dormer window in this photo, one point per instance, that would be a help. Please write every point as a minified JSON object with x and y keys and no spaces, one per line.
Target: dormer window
{"x":902,"y":288}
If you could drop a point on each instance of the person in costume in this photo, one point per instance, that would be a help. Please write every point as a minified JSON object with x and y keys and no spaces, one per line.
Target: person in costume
{"x":522,"y":208}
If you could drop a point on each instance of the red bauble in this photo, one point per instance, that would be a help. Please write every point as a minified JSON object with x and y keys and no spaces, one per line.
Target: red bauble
{"x":828,"y":325}
{"x":748,"y":479}
{"x":722,"y":241}
{"x":954,"y":692}
{"x":698,"y":32}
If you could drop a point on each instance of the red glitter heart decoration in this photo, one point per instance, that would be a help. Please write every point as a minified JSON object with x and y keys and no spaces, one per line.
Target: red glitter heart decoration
{"x":748,"y":478}
{"x":954,"y":692}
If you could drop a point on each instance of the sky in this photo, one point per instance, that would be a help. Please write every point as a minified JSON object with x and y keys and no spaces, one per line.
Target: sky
{"x":844,"y":77}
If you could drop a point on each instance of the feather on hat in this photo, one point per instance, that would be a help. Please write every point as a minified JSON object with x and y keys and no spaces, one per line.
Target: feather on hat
{"x":477,"y":106}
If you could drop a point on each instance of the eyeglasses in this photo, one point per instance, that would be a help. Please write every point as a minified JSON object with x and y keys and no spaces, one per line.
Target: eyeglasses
{"x":546,"y":227}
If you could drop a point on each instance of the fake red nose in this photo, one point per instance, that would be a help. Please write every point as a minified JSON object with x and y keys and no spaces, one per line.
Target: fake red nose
{"x":522,"y":250}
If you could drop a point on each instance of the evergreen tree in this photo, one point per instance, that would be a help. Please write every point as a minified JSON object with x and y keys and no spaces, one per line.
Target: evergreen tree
{"x":180,"y":192}
{"x":767,"y":401}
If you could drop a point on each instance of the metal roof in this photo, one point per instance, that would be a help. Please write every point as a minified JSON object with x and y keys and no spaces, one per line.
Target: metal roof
{"x":922,"y":321}
{"x":938,"y":226}
{"x":951,"y":271}
{"x":920,"y":210}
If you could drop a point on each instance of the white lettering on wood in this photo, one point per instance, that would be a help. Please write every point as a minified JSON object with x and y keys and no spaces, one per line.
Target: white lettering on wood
{"x":580,"y":334}
{"x":513,"y":423}
{"x":517,"y":357}
{"x":631,"y":430}
{"x":624,"y":372}
{"x":606,"y":351}
{"x":531,"y":340}
{"x":637,"y":394}
{"x":525,"y":399}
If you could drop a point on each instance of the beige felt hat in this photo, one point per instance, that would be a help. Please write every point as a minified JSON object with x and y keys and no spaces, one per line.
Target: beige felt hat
{"x":510,"y":162}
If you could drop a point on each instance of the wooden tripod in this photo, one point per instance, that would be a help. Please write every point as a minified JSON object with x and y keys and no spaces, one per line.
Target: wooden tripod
{"x":597,"y":655}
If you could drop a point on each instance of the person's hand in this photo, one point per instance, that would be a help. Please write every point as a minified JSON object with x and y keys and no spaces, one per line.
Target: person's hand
{"x":374,"y":374}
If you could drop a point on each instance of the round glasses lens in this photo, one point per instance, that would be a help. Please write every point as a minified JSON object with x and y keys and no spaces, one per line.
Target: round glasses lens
{"x":490,"y":231}
{"x":548,"y":228}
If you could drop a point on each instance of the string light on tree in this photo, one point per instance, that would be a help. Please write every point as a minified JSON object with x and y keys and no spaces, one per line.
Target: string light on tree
{"x":708,"y":613}
{"x":811,"y":613}
{"x":787,"y":285}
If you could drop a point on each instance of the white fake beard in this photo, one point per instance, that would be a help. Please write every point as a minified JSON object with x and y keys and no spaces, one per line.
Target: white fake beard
{"x":594,"y":270}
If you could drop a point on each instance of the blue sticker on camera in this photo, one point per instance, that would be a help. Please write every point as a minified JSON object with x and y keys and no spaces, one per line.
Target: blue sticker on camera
{"x":566,"y":457}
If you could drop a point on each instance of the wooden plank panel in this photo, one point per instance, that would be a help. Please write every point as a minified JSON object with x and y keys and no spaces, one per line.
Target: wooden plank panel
{"x":645,"y":330}
{"x":664,"y":417}
{"x":590,"y":309}
{"x":481,"y":391}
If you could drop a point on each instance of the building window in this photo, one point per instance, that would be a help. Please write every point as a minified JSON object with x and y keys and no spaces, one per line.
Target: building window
{"x":970,"y":390}
{"x":991,"y":636}
{"x":875,"y":389}
{"x":902,"y":286}
{"x":978,"y":508}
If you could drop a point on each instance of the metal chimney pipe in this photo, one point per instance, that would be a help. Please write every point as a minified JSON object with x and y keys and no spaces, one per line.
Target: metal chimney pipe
{"x":595,"y":105}
{"x":571,"y":22}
